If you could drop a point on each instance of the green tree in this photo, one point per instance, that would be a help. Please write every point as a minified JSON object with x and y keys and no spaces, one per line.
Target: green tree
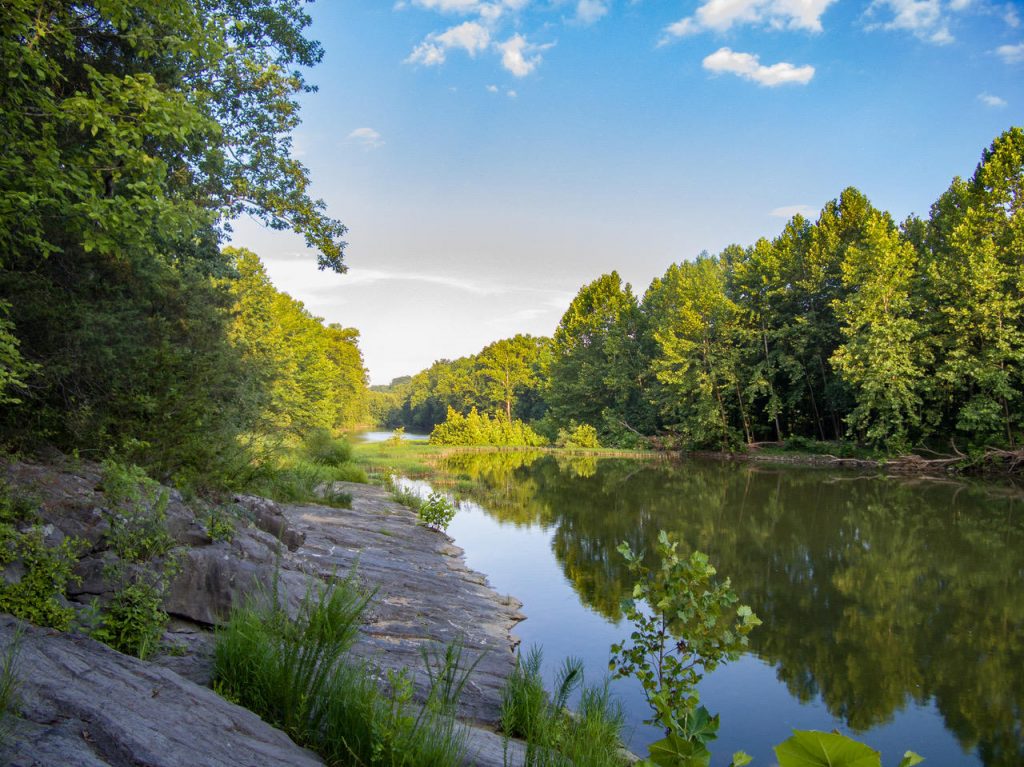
{"x":694,"y":324}
{"x":973,"y":250}
{"x":507,"y":367}
{"x":883,"y":356}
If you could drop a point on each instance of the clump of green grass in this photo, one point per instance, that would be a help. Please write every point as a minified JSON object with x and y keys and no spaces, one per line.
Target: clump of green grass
{"x":297,"y":675}
{"x":300,"y":481}
{"x":555,"y":736}
{"x":8,"y":688}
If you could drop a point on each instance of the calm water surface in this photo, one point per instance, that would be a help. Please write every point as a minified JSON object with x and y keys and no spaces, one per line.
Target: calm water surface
{"x":892,"y":608}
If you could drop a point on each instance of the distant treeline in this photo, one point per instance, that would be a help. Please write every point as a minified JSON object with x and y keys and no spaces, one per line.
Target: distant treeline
{"x":852,"y":327}
{"x":134,"y":132}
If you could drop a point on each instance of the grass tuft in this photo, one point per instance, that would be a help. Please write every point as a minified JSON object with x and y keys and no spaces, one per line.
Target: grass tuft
{"x":554,"y":735}
{"x":297,"y":674}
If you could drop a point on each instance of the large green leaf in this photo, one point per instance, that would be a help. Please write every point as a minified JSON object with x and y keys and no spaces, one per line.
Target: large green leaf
{"x":810,"y":748}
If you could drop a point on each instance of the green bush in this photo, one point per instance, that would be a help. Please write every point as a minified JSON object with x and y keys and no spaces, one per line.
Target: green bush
{"x":321,"y":448}
{"x":582,"y":435}
{"x":38,"y":592}
{"x":477,"y":429}
{"x":137,"y":513}
{"x":134,"y":620}
{"x":436,"y":512}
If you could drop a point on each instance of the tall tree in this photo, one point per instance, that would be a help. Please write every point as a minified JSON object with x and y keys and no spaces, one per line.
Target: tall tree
{"x":973,"y":251}
{"x":507,"y":367}
{"x":883,"y":355}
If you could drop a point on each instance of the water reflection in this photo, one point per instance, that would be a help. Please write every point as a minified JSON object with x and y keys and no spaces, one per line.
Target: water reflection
{"x":876,"y":593}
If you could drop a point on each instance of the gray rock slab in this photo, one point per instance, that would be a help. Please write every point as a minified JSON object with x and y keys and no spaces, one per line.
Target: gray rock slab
{"x":82,"y":703}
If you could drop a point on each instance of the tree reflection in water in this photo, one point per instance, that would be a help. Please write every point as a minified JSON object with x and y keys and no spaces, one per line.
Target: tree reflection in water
{"x":874,"y":591}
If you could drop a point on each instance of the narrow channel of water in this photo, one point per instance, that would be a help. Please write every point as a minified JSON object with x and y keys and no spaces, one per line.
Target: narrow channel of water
{"x":892,"y":608}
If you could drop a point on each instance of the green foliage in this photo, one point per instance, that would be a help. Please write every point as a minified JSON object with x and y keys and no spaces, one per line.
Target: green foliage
{"x":554,"y":735}
{"x":684,"y":625}
{"x":809,"y":748}
{"x":218,"y":524}
{"x":477,"y":429}
{"x":8,"y":688}
{"x":297,"y":675}
{"x":578,"y":435}
{"x":437,"y":512}
{"x":134,"y":620}
{"x":39,"y":574}
{"x":397,"y":436}
{"x":321,"y":448}
{"x":137,"y":513}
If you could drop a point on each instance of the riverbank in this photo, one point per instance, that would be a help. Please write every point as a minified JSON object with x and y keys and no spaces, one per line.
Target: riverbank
{"x":425,"y":596}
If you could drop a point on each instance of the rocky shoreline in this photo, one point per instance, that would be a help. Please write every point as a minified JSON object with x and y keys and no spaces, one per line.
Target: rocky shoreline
{"x":82,"y":703}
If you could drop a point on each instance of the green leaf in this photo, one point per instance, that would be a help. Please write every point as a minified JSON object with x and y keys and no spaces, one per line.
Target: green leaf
{"x":910,"y":759}
{"x":741,"y":759}
{"x":810,"y":748}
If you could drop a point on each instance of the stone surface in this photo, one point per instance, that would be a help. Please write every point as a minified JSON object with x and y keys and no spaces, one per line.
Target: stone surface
{"x":84,"y":704}
{"x":425,"y":597}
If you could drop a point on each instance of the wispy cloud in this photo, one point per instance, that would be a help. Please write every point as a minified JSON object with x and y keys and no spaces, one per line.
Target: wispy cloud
{"x":363,"y":277}
{"x":991,"y":101}
{"x":749,"y":67}
{"x":1011,"y":54}
{"x":519,"y":56}
{"x":722,"y":15}
{"x":367,"y":138}
{"x":469,"y":36}
{"x":788,"y":211}
{"x":589,"y":11}
{"x":928,"y":20}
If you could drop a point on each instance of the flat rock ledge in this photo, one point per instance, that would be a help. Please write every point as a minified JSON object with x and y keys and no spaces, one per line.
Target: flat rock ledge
{"x":82,"y":703}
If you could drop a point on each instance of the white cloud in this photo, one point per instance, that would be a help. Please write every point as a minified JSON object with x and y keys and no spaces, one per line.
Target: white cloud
{"x":1011,"y":54}
{"x":748,"y":66}
{"x":1011,"y":17}
{"x":450,"y":6}
{"x":367,"y":138}
{"x":519,"y":56}
{"x":589,"y":11}
{"x":788,"y":211}
{"x":511,"y":93}
{"x":991,"y":101}
{"x":722,"y":15}
{"x":923,"y":18}
{"x":469,"y":36}
{"x":492,"y":88}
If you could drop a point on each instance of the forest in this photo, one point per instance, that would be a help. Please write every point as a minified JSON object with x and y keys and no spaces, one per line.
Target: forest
{"x":135,"y":133}
{"x":853,"y":328}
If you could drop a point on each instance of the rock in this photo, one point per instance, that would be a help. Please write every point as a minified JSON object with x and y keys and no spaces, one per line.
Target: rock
{"x":82,"y":703}
{"x":267,"y":516}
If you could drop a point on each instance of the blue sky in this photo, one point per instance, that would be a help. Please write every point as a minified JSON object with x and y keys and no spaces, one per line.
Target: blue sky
{"x":489,"y":158}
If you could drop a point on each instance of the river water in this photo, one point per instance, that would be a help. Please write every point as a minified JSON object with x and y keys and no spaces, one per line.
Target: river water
{"x":893,"y":608}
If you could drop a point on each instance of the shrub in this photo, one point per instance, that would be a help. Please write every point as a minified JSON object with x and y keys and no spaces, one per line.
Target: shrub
{"x":137,"y":513}
{"x":134,"y":620}
{"x":436,"y":512}
{"x":36,"y":595}
{"x":321,"y":448}
{"x":477,"y":429}
{"x":582,"y":435}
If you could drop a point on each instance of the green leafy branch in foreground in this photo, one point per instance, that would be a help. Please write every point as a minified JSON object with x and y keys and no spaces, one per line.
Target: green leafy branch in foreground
{"x":684,"y":624}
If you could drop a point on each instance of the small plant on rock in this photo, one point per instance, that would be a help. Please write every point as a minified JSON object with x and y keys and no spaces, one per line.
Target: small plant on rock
{"x":437,"y":512}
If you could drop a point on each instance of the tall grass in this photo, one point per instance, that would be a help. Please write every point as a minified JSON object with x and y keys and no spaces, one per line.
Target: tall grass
{"x":8,"y":688}
{"x":297,"y":675}
{"x":555,"y":736}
